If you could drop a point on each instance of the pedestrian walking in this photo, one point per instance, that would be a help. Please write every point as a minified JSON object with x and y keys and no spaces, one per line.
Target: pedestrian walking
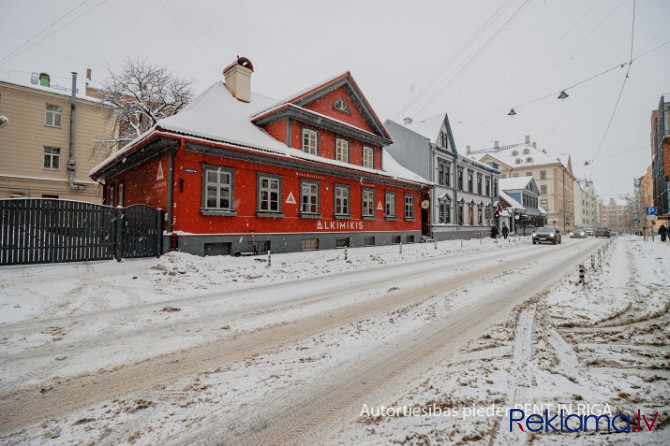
{"x":663,"y":232}
{"x":494,"y":232}
{"x":505,"y":231}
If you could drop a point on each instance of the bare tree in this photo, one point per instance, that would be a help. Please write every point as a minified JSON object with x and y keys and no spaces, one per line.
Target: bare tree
{"x":140,"y":95}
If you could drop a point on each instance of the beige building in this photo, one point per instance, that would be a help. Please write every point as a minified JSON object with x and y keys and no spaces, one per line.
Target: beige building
{"x":552,"y":174}
{"x":37,"y":157}
{"x":618,"y":215}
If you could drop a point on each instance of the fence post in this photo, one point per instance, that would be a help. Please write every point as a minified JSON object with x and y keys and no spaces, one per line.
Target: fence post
{"x":400,"y":247}
{"x":345,"y":252}
{"x":581,"y":273}
{"x":118,"y":229}
{"x":159,"y":232}
{"x":269,"y":259}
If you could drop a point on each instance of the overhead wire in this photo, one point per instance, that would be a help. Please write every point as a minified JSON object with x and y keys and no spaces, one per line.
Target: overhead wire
{"x":623,"y":85}
{"x":30,"y":41}
{"x":477,"y":54}
{"x":479,"y":31}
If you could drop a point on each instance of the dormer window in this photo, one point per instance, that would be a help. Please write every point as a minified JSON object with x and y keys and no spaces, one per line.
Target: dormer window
{"x":341,"y":106}
{"x":529,"y":160}
{"x":515,"y":152}
{"x":526,"y":151}
{"x":517,"y":161}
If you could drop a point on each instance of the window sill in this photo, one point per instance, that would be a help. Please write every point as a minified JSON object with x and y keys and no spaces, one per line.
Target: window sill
{"x":390,"y":218}
{"x":313,"y":216}
{"x":410,"y":219}
{"x":342,"y":217}
{"x":368,"y":217}
{"x":218,"y":212}
{"x":269,"y":214}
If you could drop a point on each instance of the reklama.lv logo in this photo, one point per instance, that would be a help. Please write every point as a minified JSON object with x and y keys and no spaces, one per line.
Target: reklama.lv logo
{"x":575,"y":422}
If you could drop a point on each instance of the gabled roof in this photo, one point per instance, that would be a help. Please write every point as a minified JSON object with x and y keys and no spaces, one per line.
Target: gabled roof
{"x":517,"y":183}
{"x":431,"y":128}
{"x":511,"y":202}
{"x":509,"y":155}
{"x":217,"y":116}
{"x":295,"y":105}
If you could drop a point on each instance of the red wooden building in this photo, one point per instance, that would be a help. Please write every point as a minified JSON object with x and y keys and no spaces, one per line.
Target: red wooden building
{"x":236,"y":171}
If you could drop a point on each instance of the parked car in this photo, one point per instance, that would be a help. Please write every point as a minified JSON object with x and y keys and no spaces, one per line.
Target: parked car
{"x":546,"y":234}
{"x":602,"y":232}
{"x":589,"y":232}
{"x":578,"y":233}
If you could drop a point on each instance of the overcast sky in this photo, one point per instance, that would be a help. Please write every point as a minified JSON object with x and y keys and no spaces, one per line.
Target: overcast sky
{"x":472,"y":59}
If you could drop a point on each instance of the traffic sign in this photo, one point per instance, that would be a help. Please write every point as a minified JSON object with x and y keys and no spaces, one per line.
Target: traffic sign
{"x":651,"y":210}
{"x":651,"y":217}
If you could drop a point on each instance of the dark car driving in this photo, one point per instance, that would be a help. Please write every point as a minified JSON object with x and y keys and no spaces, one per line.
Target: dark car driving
{"x":546,"y":234}
{"x":602,"y":232}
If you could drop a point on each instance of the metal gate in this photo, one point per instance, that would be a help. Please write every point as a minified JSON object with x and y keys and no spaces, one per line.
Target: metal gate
{"x":36,"y":230}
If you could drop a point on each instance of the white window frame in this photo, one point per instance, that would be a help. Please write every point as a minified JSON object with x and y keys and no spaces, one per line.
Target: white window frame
{"x":368,"y":202}
{"x":223,"y":184}
{"x":409,"y":207}
{"x":269,"y":196}
{"x":342,"y":150}
{"x":342,"y":201}
{"x":310,"y":141}
{"x":368,"y":157}
{"x":54,"y":116}
{"x":309,"y":198}
{"x":51,"y":158}
{"x":389,"y":205}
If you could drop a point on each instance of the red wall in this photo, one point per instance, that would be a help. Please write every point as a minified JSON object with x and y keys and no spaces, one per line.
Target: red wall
{"x":143,"y":185}
{"x":187,"y":216}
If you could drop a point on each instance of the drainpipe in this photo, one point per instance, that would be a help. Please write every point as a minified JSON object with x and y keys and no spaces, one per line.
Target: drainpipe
{"x":71,"y":163}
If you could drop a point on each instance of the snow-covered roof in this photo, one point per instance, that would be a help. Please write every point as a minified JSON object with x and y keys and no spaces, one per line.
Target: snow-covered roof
{"x":55,"y":89}
{"x":429,"y":127}
{"x":216,"y":115}
{"x":393,"y":168}
{"x":526,"y":153}
{"x":516,"y":183}
{"x":511,"y":201}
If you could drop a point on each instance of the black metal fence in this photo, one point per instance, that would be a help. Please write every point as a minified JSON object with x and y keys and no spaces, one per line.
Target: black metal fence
{"x":49,"y":231}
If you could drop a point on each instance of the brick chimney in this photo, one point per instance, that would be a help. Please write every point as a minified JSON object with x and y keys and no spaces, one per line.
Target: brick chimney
{"x":238,"y":78}
{"x":468,"y":150}
{"x":527,"y":139}
{"x":496,"y":144}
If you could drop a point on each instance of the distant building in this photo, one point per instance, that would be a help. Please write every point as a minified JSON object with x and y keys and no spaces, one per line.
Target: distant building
{"x":586,"y":204}
{"x":617,"y":215}
{"x":660,"y":158}
{"x":238,"y":172}
{"x":41,"y":157}
{"x":464,"y":190}
{"x":553,"y":176}
{"x":520,"y":203}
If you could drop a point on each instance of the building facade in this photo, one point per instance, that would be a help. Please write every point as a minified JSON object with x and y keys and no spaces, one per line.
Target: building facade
{"x":48,"y":145}
{"x":553,"y":176}
{"x":660,"y":158}
{"x":519,"y":199}
{"x":586,"y":204}
{"x":241,"y":173}
{"x":464,"y":190}
{"x":618,"y":215}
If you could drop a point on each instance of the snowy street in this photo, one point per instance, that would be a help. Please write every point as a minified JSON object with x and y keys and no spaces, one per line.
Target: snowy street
{"x":308,"y":348}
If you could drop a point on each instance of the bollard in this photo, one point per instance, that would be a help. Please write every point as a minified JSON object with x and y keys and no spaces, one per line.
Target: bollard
{"x":269,"y":259}
{"x":581,"y":273}
{"x":593,"y":261}
{"x":345,"y":253}
{"x":461,"y":243}
{"x":400,"y":247}
{"x":435,"y":244}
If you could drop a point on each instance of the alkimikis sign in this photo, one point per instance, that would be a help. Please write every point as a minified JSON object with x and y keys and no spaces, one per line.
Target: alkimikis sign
{"x":576,"y":422}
